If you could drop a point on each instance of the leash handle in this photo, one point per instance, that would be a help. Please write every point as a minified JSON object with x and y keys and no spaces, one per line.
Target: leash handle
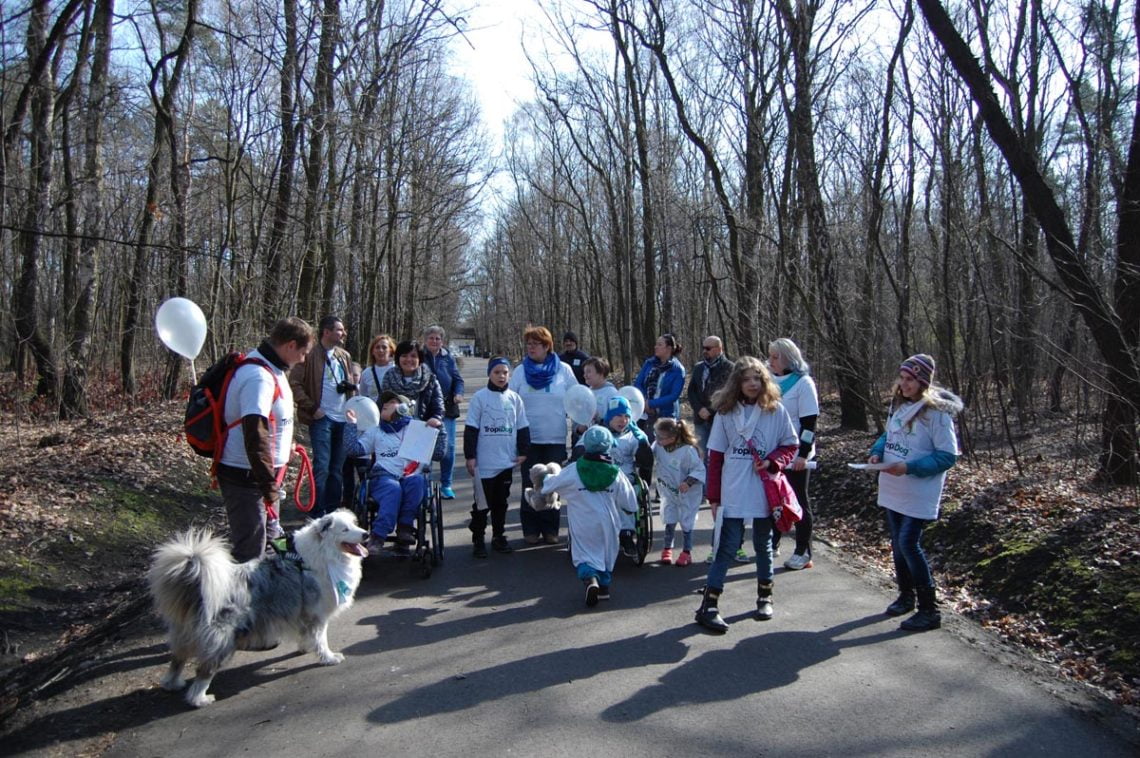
{"x":304,"y":473}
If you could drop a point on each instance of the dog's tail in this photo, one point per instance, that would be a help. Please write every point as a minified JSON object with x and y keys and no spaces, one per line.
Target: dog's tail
{"x":191,"y":577}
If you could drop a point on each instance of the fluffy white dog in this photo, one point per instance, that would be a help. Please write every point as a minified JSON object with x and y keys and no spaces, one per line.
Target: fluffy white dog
{"x":213,"y":606}
{"x":534,"y":496}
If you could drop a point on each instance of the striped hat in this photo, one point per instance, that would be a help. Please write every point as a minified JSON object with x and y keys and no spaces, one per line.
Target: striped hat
{"x":920,"y":366}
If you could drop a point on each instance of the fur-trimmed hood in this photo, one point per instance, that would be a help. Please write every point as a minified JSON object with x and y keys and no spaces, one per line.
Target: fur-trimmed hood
{"x":942,"y":399}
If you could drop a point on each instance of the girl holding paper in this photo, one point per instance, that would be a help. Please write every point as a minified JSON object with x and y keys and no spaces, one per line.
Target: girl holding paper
{"x":920,"y":446}
{"x":496,"y":439}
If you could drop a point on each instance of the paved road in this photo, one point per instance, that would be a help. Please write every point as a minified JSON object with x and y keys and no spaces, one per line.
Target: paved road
{"x":502,"y":657}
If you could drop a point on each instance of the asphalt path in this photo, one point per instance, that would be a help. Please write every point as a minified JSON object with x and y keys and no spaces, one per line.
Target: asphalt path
{"x":501,"y":656}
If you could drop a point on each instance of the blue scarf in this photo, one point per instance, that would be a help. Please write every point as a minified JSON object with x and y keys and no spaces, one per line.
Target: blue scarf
{"x":395,"y":425}
{"x":787,"y":381}
{"x":541,"y":375}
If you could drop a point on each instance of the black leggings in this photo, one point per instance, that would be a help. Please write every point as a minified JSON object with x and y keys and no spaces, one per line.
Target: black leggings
{"x":799,"y":482}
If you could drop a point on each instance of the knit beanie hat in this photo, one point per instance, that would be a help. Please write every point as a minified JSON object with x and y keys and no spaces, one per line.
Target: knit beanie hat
{"x":921,"y":367}
{"x":404,"y":405}
{"x":497,"y":362}
{"x":570,"y":337}
{"x":617,"y":406}
{"x":597,"y":439}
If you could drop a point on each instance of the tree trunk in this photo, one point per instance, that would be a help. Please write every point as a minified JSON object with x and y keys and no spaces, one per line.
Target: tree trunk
{"x":86,"y":272}
{"x":28,"y":335}
{"x":163,"y":123}
{"x":850,"y":368}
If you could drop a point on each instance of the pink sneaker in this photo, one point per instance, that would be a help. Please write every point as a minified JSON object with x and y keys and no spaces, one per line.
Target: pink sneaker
{"x":667,"y":556}
{"x":685,"y":558}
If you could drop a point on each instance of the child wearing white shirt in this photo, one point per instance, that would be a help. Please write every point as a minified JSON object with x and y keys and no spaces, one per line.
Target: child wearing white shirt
{"x":680,"y":480}
{"x":496,"y":439}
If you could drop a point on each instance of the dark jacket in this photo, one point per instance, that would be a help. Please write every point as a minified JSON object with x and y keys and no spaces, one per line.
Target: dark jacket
{"x":429,"y":400}
{"x":576,"y":359}
{"x":706,"y":380}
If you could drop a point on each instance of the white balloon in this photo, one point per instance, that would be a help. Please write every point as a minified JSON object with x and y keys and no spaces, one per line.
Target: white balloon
{"x":580,"y":404}
{"x":366,"y":410}
{"x":635,"y":398}
{"x":181,"y":326}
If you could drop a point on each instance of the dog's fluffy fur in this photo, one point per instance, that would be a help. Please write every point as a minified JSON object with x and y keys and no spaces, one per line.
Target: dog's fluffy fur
{"x":534,"y":496}
{"x":213,"y":606}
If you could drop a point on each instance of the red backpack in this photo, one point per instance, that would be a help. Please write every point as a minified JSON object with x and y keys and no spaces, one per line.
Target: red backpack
{"x":205,"y":425}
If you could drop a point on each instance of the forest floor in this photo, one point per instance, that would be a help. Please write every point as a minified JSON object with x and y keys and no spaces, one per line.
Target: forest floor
{"x":1042,"y":557}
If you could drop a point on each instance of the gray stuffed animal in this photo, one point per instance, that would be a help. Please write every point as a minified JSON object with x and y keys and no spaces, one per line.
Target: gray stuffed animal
{"x":534,"y":496}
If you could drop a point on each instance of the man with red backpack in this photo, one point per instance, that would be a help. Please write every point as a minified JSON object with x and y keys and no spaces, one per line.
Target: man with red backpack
{"x":259,"y":407}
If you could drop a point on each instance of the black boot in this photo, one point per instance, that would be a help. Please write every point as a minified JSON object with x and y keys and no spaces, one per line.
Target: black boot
{"x":903,"y":604}
{"x":928,"y":616}
{"x":708,"y":615}
{"x":763,"y":601}
{"x":478,"y":527}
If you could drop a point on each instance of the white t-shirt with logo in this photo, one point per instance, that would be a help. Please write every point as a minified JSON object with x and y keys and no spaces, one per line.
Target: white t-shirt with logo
{"x":332,"y":402}
{"x":251,"y":393}
{"x":545,"y":408}
{"x":913,"y":433}
{"x":802,"y":400}
{"x":741,"y":491}
{"x":386,"y":447}
{"x":498,"y":416}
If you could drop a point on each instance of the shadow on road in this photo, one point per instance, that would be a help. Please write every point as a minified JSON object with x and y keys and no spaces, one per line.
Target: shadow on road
{"x":536,"y":673}
{"x":756,"y":663}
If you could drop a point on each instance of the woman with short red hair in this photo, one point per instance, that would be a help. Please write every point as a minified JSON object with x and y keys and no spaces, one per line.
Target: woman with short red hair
{"x":542,"y":380}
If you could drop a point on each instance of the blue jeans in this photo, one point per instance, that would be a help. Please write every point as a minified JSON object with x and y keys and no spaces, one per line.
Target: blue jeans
{"x":704,"y":428}
{"x":448,"y":462}
{"x":586,"y":571}
{"x":327,"y":439}
{"x":731,"y":538}
{"x":396,"y":500}
{"x":535,"y":522}
{"x":911,"y":568}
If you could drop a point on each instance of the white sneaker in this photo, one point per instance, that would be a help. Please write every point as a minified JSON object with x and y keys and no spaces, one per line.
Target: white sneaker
{"x":798,"y":562}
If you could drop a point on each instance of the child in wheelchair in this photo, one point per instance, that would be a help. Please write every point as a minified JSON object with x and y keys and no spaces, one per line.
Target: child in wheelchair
{"x":597,"y":498}
{"x":632,"y":454}
{"x":396,"y":484}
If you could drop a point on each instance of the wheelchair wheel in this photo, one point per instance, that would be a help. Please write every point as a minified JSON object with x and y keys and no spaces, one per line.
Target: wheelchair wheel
{"x":435,"y":505}
{"x":364,"y":507}
{"x":643,"y":530}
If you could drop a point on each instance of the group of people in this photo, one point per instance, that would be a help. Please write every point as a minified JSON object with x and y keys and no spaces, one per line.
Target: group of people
{"x":747,"y":451}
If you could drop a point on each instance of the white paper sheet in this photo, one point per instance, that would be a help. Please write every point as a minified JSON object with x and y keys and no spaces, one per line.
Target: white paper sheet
{"x":868,"y":466}
{"x":419,"y":441}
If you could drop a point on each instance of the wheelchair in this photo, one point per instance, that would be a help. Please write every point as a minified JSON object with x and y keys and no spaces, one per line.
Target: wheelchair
{"x":643,"y":523}
{"x":427,"y":553}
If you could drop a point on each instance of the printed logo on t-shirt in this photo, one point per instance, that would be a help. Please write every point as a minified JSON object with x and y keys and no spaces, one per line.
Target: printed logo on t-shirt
{"x":387,"y":453}
{"x":898,"y":449}
{"x":498,"y":429}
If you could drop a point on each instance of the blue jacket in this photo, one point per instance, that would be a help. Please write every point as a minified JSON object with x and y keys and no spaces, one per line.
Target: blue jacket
{"x":667,"y":402}
{"x":446,"y":372}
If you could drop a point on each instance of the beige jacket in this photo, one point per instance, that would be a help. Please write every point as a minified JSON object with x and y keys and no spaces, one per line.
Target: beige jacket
{"x":306,"y":380}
